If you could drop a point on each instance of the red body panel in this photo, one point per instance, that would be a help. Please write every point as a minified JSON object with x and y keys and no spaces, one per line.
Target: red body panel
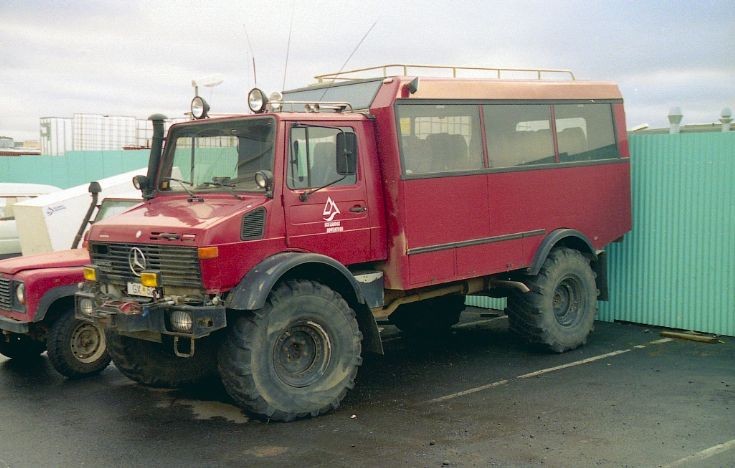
{"x":40,"y":274}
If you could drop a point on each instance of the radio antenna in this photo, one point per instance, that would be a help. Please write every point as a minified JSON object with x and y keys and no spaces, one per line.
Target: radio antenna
{"x":252,"y":54}
{"x":288,"y":46}
{"x":348,"y":58}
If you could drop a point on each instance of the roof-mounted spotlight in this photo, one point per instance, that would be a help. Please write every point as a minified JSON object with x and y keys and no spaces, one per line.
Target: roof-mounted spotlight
{"x":199,"y":108}
{"x":257,"y":100}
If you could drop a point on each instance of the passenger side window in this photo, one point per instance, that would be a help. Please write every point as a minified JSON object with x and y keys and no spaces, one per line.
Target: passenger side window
{"x":313,"y":158}
{"x":518,"y":135}
{"x":440,"y":138}
{"x":585,"y":132}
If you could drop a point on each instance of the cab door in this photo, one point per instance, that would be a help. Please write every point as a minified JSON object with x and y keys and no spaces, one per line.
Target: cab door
{"x":326,"y":212}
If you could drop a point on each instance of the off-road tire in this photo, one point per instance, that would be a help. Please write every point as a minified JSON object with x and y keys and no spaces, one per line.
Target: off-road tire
{"x":20,"y":347}
{"x":559,"y":312}
{"x":155,"y":364}
{"x":77,"y":348}
{"x":295,"y":357}
{"x":429,"y":317}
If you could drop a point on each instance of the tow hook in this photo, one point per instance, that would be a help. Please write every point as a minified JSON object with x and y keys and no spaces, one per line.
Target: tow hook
{"x":183,"y":353}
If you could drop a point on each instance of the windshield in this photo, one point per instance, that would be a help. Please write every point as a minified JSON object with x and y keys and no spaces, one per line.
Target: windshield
{"x":215,"y":155}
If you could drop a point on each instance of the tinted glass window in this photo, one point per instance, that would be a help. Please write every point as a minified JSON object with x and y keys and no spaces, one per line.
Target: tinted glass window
{"x":440,"y":138}
{"x":585,"y":132}
{"x":313,"y":158}
{"x":518,"y":135}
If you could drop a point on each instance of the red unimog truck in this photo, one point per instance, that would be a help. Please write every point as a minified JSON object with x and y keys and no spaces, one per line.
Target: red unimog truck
{"x":37,"y":306}
{"x":269,"y":244}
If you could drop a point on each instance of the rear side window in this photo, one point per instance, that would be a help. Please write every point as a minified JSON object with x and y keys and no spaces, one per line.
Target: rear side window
{"x":585,"y":132}
{"x":518,"y":135}
{"x":440,"y":138}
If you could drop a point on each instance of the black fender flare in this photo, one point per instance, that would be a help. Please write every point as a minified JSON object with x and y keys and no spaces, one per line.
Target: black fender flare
{"x":254,"y":288}
{"x":569,"y":237}
{"x":51,"y":296}
{"x":252,"y":291}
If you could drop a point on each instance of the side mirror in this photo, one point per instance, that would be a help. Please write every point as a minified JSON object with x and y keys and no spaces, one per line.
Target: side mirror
{"x":346,"y":162}
{"x":140,"y":182}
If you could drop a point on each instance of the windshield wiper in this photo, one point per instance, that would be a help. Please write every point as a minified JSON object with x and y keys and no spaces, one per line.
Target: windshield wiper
{"x":223,"y":182}
{"x":184,"y":183}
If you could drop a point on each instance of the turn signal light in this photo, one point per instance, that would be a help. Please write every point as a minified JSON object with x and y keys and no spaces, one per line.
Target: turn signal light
{"x":90,"y":273}
{"x":208,"y":252}
{"x":150,"y":279}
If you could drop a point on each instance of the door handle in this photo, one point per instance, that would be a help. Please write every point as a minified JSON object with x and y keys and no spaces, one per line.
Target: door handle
{"x":358,"y":209}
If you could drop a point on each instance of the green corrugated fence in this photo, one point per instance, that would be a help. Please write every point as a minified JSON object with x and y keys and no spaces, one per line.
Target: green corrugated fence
{"x":74,"y":168}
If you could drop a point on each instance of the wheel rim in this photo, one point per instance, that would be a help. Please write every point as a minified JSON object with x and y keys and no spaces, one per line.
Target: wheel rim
{"x":568,"y":301}
{"x":87,"y":343}
{"x":301,"y":354}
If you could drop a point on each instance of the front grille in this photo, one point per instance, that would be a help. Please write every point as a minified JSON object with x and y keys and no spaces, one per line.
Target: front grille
{"x":252,"y":225}
{"x":6,"y":293}
{"x":179,"y":266}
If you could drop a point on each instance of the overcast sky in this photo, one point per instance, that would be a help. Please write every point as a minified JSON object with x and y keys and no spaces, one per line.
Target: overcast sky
{"x":137,"y":57}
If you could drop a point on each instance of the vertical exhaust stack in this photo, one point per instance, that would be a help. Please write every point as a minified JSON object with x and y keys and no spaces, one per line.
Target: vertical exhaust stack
{"x":156,"y":150}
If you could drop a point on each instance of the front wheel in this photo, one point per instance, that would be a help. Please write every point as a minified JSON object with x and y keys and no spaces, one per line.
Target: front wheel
{"x":77,"y":348}
{"x":559,"y":312}
{"x":294,"y":358}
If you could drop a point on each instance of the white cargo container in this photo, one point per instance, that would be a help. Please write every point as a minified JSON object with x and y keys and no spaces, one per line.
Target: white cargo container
{"x":10,"y":195}
{"x":56,"y":136}
{"x":49,"y":223}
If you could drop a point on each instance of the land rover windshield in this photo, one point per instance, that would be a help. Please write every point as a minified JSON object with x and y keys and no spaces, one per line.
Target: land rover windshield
{"x":212,"y":156}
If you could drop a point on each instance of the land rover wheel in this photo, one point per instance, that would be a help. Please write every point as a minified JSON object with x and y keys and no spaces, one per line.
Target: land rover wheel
{"x":559,"y":312}
{"x":429,"y":317}
{"x":155,"y":364}
{"x":20,"y":346}
{"x":77,"y":348}
{"x":295,"y":357}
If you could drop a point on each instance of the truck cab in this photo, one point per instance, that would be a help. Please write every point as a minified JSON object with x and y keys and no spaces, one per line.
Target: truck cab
{"x":269,"y":244}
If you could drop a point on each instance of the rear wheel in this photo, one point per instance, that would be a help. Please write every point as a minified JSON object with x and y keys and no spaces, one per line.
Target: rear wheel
{"x":429,"y":317}
{"x":77,"y":348}
{"x":20,"y":346}
{"x":559,"y":312}
{"x":294,"y":358}
{"x":155,"y":364}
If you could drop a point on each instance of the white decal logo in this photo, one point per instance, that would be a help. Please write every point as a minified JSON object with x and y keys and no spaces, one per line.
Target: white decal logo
{"x":330,"y":210}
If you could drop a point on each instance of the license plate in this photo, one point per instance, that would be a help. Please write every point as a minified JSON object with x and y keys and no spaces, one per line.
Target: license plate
{"x":138,"y":289}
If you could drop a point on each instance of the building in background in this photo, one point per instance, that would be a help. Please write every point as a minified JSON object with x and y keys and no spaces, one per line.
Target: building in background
{"x":95,"y":132}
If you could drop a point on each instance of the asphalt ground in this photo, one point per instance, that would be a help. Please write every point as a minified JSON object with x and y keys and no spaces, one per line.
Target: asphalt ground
{"x":480,"y":397}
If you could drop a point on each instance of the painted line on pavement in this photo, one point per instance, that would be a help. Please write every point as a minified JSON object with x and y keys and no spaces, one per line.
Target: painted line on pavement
{"x":469,"y":391}
{"x":466,"y":392}
{"x":573,"y":364}
{"x":479,"y":322}
{"x":704,"y":454}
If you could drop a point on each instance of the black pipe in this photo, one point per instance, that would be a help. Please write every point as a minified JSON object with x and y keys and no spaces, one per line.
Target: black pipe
{"x":94,"y":189}
{"x":155,"y":157}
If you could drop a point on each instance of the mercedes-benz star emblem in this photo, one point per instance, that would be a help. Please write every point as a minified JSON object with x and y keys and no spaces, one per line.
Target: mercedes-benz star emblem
{"x":137,"y":261}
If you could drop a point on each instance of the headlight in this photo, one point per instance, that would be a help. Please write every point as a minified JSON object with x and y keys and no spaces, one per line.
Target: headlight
{"x":86,"y":306}
{"x":199,"y":107}
{"x":20,"y":293}
{"x":181,"y":321}
{"x":257,"y":100}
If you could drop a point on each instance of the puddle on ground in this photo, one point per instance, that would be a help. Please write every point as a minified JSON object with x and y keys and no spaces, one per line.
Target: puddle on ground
{"x":202,"y":410}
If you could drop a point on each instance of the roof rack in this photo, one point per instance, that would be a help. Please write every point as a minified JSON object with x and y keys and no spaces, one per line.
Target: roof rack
{"x":403,"y":70}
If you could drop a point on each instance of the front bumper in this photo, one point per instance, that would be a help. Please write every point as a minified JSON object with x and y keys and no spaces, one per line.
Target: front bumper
{"x":151,"y":317}
{"x":14,"y":326}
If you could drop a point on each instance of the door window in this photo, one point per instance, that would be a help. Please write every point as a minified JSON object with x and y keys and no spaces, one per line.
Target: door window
{"x":313,"y":158}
